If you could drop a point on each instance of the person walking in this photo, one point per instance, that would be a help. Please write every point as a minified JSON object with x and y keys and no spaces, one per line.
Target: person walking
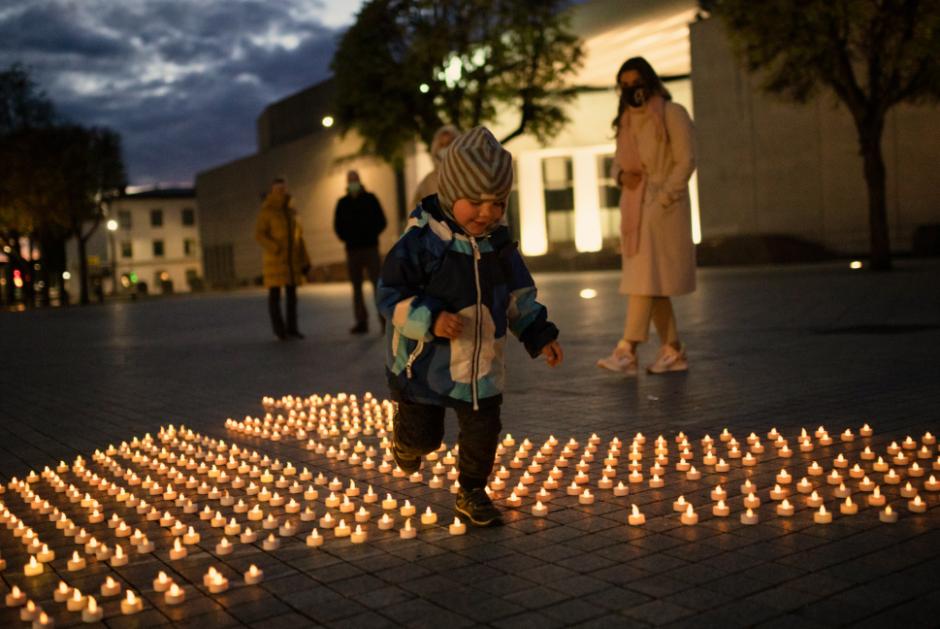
{"x":442,"y":139}
{"x":286,"y":261}
{"x":358,"y":222}
{"x":654,"y":159}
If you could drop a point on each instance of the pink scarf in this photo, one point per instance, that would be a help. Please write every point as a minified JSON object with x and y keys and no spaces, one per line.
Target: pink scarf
{"x":631,"y":201}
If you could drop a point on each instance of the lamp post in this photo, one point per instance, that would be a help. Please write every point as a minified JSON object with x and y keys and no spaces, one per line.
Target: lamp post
{"x":112,"y":226}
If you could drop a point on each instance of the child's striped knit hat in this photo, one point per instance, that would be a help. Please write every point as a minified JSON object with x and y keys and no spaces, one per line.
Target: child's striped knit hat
{"x":475,"y":167}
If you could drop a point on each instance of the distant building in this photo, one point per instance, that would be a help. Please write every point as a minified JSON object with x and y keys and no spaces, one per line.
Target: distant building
{"x":765,"y":168}
{"x":155,"y":243}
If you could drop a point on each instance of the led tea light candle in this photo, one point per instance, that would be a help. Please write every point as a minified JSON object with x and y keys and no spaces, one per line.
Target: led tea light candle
{"x":915,"y":470}
{"x":908,"y":491}
{"x":515,"y":501}
{"x":656,"y":482}
{"x":867,"y":454}
{"x":785,"y":508}
{"x":689,"y":517}
{"x":408,"y":509}
{"x":892,"y":478}
{"x":314,"y":540}
{"x":822,"y":516}
{"x":131,"y":605}
{"x":162,"y":582}
{"x":110,"y":588}
{"x":45,"y":555}
{"x":888,"y":515}
{"x":679,"y":505}
{"x":636,"y":518}
{"x":814,"y":500}
{"x":932,"y":484}
{"x":16,"y":597}
{"x":917,"y":505}
{"x":119,"y":558}
{"x":842,"y":491}
{"x":880,"y":465}
{"x":835,"y":478}
{"x":178,"y":551}
{"x":876,"y":499}
{"x":76,"y":563}
{"x":385,"y":523}
{"x":407,"y":532}
{"x":749,"y":517}
{"x":718,"y":494}
{"x":218,"y":584}
{"x":586,"y":498}
{"x":33,"y":568}
{"x":825,"y":439}
{"x":271,"y":543}
{"x":777,"y":493}
{"x":721,"y":510}
{"x":62,"y":592}
{"x":848,"y":507}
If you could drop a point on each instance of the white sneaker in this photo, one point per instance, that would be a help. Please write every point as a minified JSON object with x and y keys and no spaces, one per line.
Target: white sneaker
{"x":669,"y":359}
{"x":621,"y":360}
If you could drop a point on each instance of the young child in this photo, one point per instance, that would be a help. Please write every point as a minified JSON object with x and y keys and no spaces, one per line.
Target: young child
{"x":452,"y":286}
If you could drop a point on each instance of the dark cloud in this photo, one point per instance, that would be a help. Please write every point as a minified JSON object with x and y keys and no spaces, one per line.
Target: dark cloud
{"x":182,"y":81}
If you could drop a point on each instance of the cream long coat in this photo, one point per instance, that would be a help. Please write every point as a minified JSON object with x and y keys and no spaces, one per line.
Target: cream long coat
{"x":664,"y":264}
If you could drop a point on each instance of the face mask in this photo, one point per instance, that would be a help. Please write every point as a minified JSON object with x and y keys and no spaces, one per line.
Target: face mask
{"x":441,"y":153}
{"x":354,"y":187}
{"x":636,"y":95}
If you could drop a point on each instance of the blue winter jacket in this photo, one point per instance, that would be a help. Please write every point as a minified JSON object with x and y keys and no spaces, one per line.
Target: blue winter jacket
{"x":435,"y":267}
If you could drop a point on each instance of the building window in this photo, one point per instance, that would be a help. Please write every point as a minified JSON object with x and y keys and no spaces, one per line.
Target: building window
{"x":189,"y":216}
{"x":124,"y":219}
{"x":189,"y":246}
{"x":158,"y":248}
{"x":156,"y":218}
{"x":127,"y":249}
{"x":557,"y":177}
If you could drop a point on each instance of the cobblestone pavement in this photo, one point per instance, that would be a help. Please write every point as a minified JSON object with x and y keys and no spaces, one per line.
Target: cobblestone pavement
{"x":785,"y":348}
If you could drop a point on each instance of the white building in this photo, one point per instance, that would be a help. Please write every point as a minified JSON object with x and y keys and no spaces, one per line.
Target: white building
{"x":154,"y":242}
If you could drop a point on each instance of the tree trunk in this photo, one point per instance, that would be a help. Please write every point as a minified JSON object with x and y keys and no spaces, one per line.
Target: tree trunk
{"x":82,"y":272}
{"x":871,"y":131}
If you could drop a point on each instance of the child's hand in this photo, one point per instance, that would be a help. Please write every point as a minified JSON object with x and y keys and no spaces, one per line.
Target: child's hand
{"x":554,"y":354}
{"x":448,"y":325}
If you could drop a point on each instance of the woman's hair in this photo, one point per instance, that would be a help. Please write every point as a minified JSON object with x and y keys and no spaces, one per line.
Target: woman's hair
{"x":650,"y":78}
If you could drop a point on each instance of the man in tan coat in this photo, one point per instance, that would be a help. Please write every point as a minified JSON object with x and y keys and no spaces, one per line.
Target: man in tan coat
{"x":286,"y":261}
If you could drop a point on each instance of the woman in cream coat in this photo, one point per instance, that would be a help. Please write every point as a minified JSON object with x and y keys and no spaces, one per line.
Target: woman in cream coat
{"x":654,"y":160}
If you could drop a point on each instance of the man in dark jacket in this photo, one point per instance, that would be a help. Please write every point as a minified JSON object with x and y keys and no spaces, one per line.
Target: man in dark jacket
{"x":358,"y":222}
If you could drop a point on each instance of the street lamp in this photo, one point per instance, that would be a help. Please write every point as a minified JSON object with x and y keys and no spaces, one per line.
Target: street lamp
{"x":112,"y":226}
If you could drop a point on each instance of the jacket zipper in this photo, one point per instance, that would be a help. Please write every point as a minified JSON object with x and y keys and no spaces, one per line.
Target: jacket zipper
{"x":413,"y":356}
{"x":478,"y":328}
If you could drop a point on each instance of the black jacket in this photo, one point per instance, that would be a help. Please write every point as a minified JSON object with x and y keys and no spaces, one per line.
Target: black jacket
{"x":359,"y":220}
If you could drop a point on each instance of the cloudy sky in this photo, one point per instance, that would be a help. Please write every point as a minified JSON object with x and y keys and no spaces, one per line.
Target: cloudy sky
{"x":182,"y":80}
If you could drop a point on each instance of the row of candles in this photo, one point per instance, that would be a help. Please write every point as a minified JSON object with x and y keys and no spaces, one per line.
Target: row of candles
{"x":76,"y":601}
{"x":539,"y":508}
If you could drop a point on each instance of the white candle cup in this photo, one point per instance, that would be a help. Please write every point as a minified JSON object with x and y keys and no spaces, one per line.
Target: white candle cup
{"x":822,"y":516}
{"x":917,"y":505}
{"x":407,"y":531}
{"x":749,"y":517}
{"x":314,"y":540}
{"x":888,"y":515}
{"x":848,"y":507}
{"x":254,"y":576}
{"x":785,"y":508}
{"x":131,"y":605}
{"x":689,"y":517}
{"x":586,"y":498}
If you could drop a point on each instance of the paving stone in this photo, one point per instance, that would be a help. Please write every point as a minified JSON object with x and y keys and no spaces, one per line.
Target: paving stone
{"x":78,"y":379}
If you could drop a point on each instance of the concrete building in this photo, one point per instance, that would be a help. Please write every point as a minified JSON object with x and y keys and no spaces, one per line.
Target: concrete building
{"x":155,"y":242}
{"x":764,"y":168}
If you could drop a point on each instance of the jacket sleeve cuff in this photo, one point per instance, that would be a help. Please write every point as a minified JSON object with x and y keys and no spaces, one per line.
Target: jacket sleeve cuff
{"x":539,"y":334}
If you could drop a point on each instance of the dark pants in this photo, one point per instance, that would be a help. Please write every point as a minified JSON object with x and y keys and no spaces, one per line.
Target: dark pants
{"x":419,"y":430}
{"x":357,"y":261}
{"x":274,"y":309}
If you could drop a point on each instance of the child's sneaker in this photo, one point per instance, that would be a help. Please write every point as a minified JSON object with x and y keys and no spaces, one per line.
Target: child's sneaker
{"x":621,"y":360}
{"x":669,"y":359}
{"x":476,"y":505}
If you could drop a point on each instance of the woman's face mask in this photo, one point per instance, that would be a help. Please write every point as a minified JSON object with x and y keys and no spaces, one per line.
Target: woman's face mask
{"x":441,"y":153}
{"x":354,"y":187}
{"x":636,"y":95}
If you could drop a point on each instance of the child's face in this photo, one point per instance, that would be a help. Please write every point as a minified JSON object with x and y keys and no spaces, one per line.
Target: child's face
{"x":476,"y":216}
